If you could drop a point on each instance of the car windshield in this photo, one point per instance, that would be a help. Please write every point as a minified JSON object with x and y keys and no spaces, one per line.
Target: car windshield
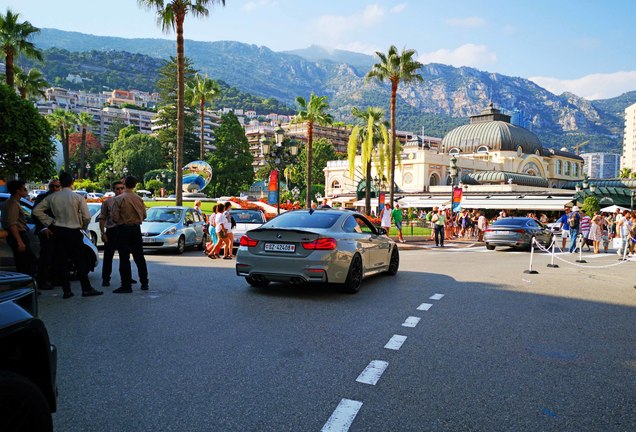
{"x":92,"y":209}
{"x":250,"y":216}
{"x":163,"y":215}
{"x":511,"y":222}
{"x":303,"y":219}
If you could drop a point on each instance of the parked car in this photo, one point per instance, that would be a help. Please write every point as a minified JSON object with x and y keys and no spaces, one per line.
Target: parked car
{"x":173,"y":227}
{"x":35,"y":193}
{"x":28,"y":361}
{"x":316,"y":246}
{"x":83,"y":193}
{"x":94,"y":233}
{"x":95,"y":197}
{"x":516,"y":232}
{"x":6,"y":255}
{"x":245,"y":220}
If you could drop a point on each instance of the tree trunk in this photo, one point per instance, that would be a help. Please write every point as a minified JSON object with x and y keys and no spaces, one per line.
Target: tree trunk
{"x":180,"y":111}
{"x":65,"y":152}
{"x":201,"y":153}
{"x":367,"y":191}
{"x":83,"y":153}
{"x":9,"y":71}
{"x":310,"y":132}
{"x":394,"y":87}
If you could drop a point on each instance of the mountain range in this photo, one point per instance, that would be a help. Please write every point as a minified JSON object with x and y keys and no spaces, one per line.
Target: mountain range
{"x":445,"y":98}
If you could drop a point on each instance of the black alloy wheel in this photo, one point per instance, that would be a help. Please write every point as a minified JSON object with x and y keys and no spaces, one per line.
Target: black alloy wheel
{"x":354,"y":277}
{"x":181,"y":245}
{"x":394,"y":263}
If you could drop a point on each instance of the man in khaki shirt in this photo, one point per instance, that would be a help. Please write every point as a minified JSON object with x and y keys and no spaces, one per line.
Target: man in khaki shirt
{"x":71,"y":216}
{"x":108,"y":231}
{"x":129,"y":211}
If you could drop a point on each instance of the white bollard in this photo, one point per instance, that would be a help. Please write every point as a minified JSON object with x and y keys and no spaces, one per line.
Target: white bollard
{"x":552,"y":264}
{"x":530,"y":271}
{"x":579,"y":242}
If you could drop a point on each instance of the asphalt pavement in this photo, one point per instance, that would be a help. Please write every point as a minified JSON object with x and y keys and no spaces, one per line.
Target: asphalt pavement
{"x":460,"y":339}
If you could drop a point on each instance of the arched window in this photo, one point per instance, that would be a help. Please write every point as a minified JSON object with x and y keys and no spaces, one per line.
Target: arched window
{"x":454,"y":151}
{"x":433,"y":180}
{"x":566,"y":170}
{"x":557,"y":167}
{"x":335,"y":184}
{"x":482,"y":150}
{"x":575,"y":169}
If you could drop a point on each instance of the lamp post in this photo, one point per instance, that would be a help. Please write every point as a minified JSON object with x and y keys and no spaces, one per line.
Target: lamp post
{"x":278,"y":155}
{"x":453,"y":175}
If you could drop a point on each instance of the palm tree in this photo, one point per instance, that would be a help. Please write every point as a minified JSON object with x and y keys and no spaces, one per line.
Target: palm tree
{"x":201,"y":91}
{"x":372,"y":138}
{"x":171,"y":15}
{"x":625,"y":173}
{"x":395,"y":67}
{"x":63,"y":121}
{"x":84,"y":121}
{"x":30,"y":84}
{"x":312,"y":113}
{"x":14,"y":40}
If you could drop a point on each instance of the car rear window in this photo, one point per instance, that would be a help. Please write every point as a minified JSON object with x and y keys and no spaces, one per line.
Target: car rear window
{"x":303,"y":219}
{"x":511,"y":222}
{"x":247,"y":216}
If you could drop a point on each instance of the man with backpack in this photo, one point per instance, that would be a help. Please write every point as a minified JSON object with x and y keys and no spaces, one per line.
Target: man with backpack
{"x":574,"y":220}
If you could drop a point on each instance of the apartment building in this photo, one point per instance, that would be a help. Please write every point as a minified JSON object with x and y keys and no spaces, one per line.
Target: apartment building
{"x":601,"y":165}
{"x":629,"y":139}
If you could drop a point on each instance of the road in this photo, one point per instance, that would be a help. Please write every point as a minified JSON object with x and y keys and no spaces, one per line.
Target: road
{"x":488,"y":348}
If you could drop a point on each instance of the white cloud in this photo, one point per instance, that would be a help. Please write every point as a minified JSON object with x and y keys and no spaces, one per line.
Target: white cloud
{"x":466,"y":55}
{"x":251,"y":6}
{"x":333,"y":29}
{"x":594,"y":86}
{"x":398,"y":8}
{"x":468,"y":22}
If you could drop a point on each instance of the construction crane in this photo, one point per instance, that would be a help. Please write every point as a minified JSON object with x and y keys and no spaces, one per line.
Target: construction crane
{"x":576,"y":147}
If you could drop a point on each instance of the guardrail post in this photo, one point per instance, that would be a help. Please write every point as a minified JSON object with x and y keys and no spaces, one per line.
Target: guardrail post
{"x":530,"y":271}
{"x":552,"y":264}
{"x":579,"y":242}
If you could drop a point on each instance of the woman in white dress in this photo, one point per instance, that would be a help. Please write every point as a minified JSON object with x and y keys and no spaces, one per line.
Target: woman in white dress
{"x":385,"y":218}
{"x":596,"y":231}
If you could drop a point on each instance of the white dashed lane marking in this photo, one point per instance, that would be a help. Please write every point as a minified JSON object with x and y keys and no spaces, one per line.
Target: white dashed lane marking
{"x":411,"y":321}
{"x":395,"y":343}
{"x":342,"y":417}
{"x":372,"y":373}
{"x":436,"y":297}
{"x":424,"y":306}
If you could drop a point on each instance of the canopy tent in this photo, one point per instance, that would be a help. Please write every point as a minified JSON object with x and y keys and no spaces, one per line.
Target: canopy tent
{"x":613,"y":208}
{"x":520,"y":202}
{"x":423,"y":201}
{"x":360,"y":203}
{"x":343,"y":199}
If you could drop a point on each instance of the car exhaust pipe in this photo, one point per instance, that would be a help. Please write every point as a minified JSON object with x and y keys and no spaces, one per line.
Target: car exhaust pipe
{"x":296,"y":281}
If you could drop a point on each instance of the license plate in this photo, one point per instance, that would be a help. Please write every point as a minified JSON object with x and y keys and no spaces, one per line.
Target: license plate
{"x":148,"y":240}
{"x":280,"y":247}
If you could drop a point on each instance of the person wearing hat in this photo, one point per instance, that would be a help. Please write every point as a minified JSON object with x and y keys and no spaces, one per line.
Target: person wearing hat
{"x":574,"y":220}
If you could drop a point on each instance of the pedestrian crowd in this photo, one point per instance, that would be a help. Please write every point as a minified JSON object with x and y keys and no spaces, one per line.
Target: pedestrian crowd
{"x":60,"y":216}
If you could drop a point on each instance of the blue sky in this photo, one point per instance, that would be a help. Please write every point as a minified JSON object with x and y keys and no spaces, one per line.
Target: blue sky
{"x":582,"y":46}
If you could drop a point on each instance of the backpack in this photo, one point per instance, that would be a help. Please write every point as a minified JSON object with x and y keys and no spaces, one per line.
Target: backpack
{"x":573,"y":220}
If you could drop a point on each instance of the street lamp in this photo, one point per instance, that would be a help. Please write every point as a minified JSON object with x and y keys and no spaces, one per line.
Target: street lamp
{"x":279,"y":155}
{"x":453,"y":175}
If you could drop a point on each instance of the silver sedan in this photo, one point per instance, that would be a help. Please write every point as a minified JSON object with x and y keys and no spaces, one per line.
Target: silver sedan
{"x":323,"y":245}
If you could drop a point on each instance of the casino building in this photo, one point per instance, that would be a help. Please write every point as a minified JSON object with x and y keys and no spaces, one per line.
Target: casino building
{"x":493,"y":159}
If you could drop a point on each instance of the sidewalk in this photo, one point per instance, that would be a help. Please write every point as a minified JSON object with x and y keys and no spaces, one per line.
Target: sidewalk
{"x":425,"y":242}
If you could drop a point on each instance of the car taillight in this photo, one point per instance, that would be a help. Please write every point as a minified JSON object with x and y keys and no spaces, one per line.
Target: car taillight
{"x":247,"y":241}
{"x":320,"y":244}
{"x":521,"y":231}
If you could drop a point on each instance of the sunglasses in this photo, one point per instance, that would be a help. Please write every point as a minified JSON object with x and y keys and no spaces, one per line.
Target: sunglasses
{"x":119,"y":188}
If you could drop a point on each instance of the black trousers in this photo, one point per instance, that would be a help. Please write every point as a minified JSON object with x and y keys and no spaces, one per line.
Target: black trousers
{"x":69,"y":244}
{"x":25,"y":262}
{"x":46,"y":273}
{"x":439,"y":235}
{"x":109,"y":252}
{"x":129,"y":242}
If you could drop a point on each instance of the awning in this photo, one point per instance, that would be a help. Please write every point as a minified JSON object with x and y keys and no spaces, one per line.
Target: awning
{"x":343,"y":199}
{"x":360,"y":203}
{"x":516,"y":202}
{"x":423,"y":201}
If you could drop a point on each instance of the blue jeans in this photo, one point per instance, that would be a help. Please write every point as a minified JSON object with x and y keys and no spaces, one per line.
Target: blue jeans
{"x":574,"y":233}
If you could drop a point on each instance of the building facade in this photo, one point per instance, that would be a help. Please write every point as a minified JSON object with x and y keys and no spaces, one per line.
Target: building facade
{"x":629,"y":139}
{"x":601,"y":165}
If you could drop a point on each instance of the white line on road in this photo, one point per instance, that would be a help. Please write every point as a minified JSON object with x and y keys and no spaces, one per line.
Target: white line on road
{"x":411,"y":321}
{"x":372,"y":373}
{"x":424,"y":306}
{"x":395,"y":343}
{"x":342,"y":417}
{"x":436,"y":297}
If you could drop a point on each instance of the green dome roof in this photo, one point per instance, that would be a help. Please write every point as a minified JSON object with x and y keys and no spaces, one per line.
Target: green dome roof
{"x":495,"y":135}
